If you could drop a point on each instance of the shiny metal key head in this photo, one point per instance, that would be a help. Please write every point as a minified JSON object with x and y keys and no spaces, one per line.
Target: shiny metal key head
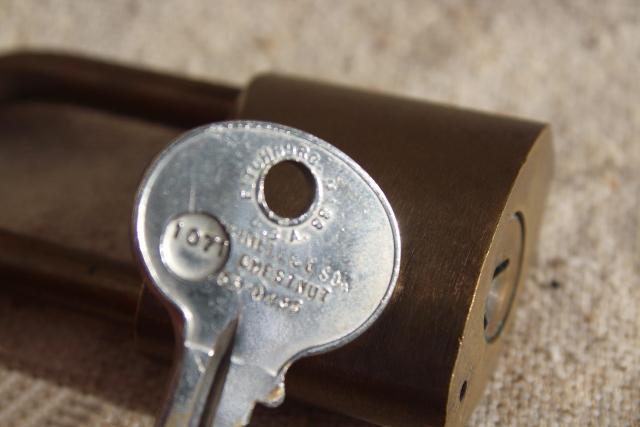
{"x":220,"y":255}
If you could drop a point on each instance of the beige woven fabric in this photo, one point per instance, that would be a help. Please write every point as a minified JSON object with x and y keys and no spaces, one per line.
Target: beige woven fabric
{"x":574,"y":355}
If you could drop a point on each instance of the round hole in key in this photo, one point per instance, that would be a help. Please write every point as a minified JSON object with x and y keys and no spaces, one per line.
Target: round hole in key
{"x":289,"y":189}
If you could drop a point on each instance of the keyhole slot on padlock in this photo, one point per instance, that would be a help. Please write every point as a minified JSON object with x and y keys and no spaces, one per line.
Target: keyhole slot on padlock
{"x":496,"y":294}
{"x":289,"y":189}
{"x":505,"y":278}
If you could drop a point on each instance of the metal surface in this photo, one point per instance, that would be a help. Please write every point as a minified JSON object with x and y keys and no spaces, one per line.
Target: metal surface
{"x":194,"y":245}
{"x":272,"y":290}
{"x":454,"y":177}
{"x":506,"y":276}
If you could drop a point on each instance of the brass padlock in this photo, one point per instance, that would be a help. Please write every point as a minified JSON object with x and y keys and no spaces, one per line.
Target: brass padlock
{"x":468,"y":190}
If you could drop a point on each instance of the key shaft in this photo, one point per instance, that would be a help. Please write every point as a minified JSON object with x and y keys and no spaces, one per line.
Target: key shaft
{"x":197,"y":382}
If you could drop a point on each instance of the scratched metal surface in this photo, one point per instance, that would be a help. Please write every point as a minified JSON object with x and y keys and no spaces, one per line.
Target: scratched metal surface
{"x":331,"y":297}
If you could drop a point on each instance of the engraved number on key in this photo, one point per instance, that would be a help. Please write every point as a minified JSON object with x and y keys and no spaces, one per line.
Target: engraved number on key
{"x":194,"y":245}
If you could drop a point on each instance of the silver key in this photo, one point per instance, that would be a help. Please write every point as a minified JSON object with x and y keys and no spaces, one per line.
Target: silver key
{"x":251,"y":291}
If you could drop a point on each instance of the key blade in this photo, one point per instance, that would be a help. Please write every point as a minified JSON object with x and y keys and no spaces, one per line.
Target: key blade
{"x":198,"y":378}
{"x":244,"y":386}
